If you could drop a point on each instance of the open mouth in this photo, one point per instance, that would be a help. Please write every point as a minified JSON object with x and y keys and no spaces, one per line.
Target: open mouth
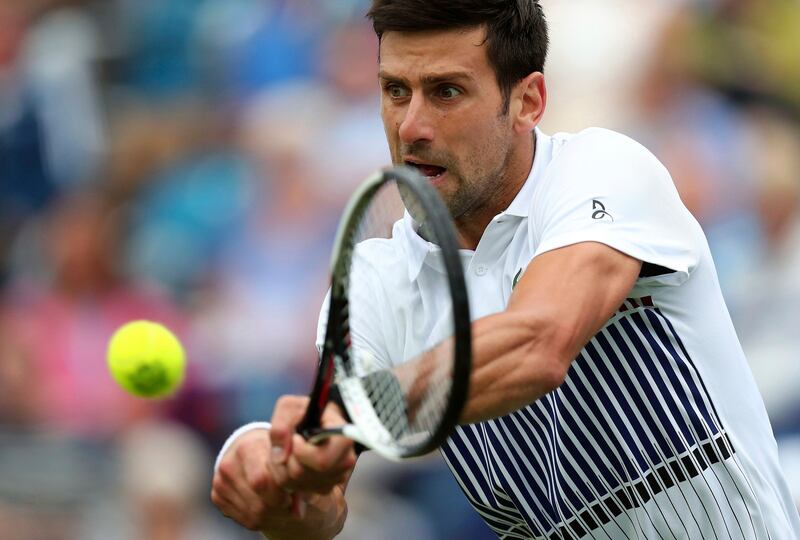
{"x":432,"y":172}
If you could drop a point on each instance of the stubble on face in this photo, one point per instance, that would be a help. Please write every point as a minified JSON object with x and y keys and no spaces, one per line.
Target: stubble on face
{"x":475,"y":179}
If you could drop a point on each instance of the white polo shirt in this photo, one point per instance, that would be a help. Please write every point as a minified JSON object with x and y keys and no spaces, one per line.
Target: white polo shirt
{"x":659,"y":430}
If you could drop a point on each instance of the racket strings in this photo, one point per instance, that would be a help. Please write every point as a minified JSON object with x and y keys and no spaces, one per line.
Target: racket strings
{"x":409,"y":399}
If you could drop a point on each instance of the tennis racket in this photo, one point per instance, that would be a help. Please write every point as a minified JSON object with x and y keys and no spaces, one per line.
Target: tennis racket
{"x":408,"y":408}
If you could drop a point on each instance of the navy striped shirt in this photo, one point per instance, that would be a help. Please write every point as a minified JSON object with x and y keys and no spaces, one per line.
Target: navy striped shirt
{"x":658,"y":430}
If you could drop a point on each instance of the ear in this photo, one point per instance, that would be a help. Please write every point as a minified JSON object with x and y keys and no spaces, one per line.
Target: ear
{"x":528,"y":101}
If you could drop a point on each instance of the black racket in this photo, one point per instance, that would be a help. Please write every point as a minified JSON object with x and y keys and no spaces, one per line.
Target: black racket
{"x":409,"y":408}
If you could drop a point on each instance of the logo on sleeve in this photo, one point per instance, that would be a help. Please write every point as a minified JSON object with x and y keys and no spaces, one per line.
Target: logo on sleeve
{"x":599,"y":211}
{"x":516,"y":279}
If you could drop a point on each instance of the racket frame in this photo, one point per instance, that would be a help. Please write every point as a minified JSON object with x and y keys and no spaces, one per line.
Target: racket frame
{"x":336,"y":346}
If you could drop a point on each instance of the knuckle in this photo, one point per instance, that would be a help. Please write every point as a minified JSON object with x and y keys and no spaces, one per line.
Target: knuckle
{"x":218,"y":485}
{"x":261,"y":482}
{"x":226,"y":471}
{"x":296,"y":473}
{"x":241,"y":451}
{"x":216,"y":499}
{"x":278,"y":430}
{"x":252,"y":448}
{"x":349,"y":460}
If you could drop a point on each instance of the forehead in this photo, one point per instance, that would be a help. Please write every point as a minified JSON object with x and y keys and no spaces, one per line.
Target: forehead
{"x":408,"y":54}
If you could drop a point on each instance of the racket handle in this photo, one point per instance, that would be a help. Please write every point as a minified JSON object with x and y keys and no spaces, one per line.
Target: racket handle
{"x":311,"y":420}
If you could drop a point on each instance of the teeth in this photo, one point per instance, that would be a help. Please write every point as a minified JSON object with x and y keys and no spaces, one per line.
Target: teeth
{"x":425,"y":169}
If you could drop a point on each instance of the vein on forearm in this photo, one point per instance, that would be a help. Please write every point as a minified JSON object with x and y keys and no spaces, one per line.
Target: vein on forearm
{"x":515,"y":361}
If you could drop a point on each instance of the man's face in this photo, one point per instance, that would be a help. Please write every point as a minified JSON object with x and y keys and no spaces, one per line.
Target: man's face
{"x":442,"y":110}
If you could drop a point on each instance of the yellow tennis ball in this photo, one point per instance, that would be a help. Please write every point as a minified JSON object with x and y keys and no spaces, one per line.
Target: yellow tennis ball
{"x":146,"y":359}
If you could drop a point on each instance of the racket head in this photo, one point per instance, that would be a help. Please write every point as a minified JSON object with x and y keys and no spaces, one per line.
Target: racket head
{"x":410,"y":408}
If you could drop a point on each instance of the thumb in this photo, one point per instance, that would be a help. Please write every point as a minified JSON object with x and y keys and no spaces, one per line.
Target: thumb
{"x":281,"y":440}
{"x":288,"y":413}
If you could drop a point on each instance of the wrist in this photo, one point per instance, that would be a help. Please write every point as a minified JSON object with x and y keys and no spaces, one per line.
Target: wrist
{"x":235,"y":435}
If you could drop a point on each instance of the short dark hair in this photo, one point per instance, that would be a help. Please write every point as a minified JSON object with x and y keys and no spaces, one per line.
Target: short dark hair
{"x":516,"y":30}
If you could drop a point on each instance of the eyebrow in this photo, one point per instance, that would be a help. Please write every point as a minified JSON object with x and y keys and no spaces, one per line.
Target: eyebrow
{"x":433,"y":78}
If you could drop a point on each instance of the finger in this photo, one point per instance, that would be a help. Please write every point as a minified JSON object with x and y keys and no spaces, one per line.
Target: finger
{"x":334,"y":455}
{"x":230,"y":504}
{"x":239,"y":502}
{"x":228,"y":478}
{"x":303,"y":479}
{"x":288,"y":413}
{"x":237,"y":479}
{"x":257,"y":474}
{"x":242,"y":515}
{"x":279,"y":473}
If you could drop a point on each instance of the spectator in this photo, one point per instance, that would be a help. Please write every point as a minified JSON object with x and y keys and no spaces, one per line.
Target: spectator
{"x":66,"y":307}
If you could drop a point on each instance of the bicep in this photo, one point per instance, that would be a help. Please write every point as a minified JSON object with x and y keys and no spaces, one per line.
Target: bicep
{"x":575,"y":290}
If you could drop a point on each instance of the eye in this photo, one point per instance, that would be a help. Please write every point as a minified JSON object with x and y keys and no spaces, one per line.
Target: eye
{"x":449,"y":92}
{"x":395,"y":91}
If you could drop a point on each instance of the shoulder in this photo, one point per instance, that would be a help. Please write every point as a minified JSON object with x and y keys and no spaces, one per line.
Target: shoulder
{"x":600,"y":159}
{"x":600,"y":144}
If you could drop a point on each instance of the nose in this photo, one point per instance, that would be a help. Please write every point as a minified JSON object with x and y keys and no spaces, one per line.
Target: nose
{"x":416,"y":125}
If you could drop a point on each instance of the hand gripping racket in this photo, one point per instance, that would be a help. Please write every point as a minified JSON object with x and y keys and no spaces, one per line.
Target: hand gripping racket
{"x":410,"y":408}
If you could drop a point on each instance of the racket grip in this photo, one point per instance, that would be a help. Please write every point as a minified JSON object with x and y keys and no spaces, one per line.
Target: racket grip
{"x":310,"y":421}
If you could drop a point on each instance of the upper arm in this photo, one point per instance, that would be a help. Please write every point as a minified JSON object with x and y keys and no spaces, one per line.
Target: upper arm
{"x":571,"y":292}
{"x":605,"y":218}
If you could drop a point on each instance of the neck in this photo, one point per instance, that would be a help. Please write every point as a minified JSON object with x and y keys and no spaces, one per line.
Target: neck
{"x":472,"y":224}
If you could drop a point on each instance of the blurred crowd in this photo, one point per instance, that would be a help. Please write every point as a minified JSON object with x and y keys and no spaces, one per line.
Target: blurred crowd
{"x":186,"y":161}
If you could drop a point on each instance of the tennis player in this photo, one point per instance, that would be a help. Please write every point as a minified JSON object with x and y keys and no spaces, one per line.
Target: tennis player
{"x":609,"y":397}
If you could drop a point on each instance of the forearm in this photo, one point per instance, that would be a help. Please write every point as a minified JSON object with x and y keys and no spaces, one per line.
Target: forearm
{"x":564,"y":298}
{"x":515,"y":361}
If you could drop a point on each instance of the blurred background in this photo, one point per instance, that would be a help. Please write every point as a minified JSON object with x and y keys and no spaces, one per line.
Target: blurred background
{"x":186,"y":161}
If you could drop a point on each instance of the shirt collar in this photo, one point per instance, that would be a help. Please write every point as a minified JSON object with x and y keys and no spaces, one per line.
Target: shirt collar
{"x":521,"y":205}
{"x":417,"y":248}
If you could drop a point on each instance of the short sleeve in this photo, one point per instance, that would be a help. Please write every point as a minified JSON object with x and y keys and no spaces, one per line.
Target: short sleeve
{"x":604,"y":187}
